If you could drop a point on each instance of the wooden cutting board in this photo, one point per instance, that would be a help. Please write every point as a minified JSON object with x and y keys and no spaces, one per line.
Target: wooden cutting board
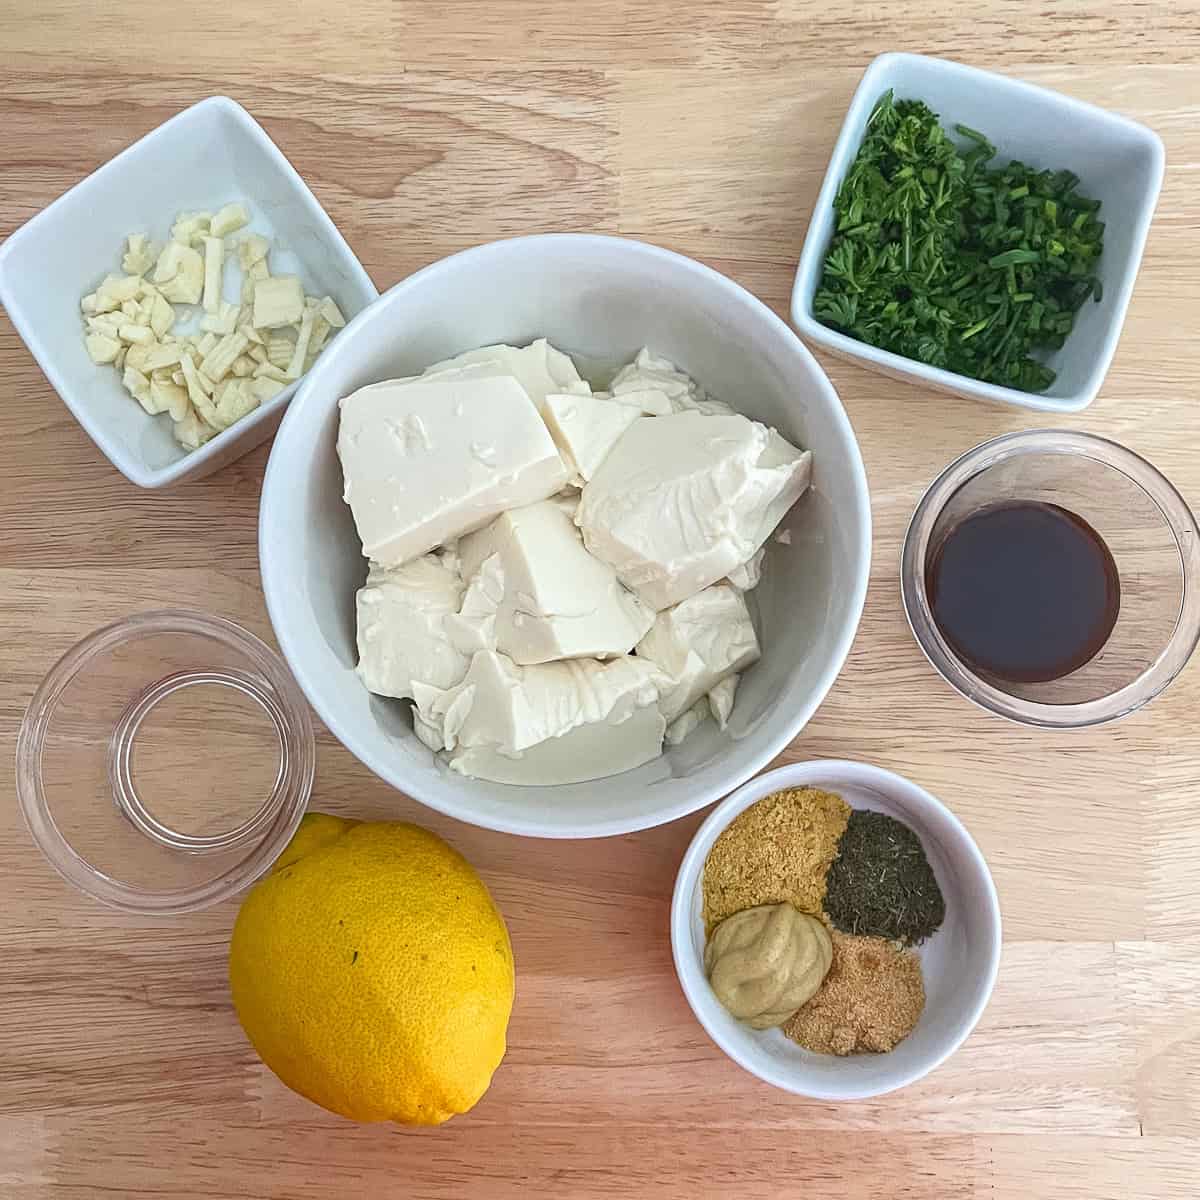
{"x":425,"y":128}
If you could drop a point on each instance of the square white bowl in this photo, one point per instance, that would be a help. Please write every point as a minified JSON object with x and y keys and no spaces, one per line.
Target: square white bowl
{"x":1119,"y":162}
{"x":206,"y":156}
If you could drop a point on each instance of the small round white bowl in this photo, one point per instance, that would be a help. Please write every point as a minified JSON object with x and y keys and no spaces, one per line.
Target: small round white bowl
{"x":600,"y":298}
{"x":959,"y":962}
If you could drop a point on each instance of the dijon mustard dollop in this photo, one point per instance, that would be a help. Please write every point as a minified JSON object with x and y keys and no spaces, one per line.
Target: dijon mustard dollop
{"x":764,"y":963}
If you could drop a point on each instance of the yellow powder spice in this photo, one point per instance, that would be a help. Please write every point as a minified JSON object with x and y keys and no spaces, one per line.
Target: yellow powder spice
{"x":777,"y":851}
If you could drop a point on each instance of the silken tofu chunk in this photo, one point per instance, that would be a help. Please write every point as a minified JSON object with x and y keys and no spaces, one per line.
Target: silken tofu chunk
{"x":681,"y":501}
{"x":402,"y":634}
{"x":586,"y":752}
{"x":556,"y":723}
{"x":585,"y":429}
{"x":557,"y":600}
{"x":540,"y":368}
{"x":427,"y":460}
{"x":698,"y":644}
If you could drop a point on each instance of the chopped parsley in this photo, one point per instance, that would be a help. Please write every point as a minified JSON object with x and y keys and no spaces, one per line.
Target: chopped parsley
{"x":938,"y":257}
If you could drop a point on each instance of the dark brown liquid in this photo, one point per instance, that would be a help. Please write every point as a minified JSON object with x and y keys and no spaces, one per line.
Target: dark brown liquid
{"x":1024,"y":591}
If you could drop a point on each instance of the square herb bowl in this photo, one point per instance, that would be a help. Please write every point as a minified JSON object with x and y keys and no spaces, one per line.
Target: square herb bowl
{"x":208,"y":155}
{"x":1119,"y":162}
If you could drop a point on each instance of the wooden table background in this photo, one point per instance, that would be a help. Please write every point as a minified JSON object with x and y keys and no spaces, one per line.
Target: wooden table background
{"x":428,"y":127}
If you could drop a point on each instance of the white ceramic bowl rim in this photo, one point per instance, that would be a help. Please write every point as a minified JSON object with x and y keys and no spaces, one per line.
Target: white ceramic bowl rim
{"x":277,"y":599}
{"x":691,"y":972}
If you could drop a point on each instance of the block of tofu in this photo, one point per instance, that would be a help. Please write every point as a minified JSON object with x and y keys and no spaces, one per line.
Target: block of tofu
{"x":401,"y":631}
{"x":556,"y":600}
{"x":650,"y":402}
{"x":540,"y":368}
{"x":749,"y":575}
{"x":721,"y":698}
{"x":588,"y":752}
{"x":428,"y":460}
{"x":651,"y":371}
{"x":697,"y":644}
{"x":688,"y":722}
{"x":585,"y":429}
{"x":502,"y":711}
{"x":681,"y":501}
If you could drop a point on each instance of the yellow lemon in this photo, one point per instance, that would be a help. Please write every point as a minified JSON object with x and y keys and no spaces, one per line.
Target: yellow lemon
{"x":373,"y":973}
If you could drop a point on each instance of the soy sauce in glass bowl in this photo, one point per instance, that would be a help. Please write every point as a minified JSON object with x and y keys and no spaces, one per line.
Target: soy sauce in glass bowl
{"x":1024,"y":591}
{"x":1053,"y":578}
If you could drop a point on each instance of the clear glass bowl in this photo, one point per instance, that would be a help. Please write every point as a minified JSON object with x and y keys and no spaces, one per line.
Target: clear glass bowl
{"x":1150,"y":532}
{"x":165,"y":761}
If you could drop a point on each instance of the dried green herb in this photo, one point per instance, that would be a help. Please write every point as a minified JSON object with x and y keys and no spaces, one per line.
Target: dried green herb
{"x":881,"y":883}
{"x":944,"y":260}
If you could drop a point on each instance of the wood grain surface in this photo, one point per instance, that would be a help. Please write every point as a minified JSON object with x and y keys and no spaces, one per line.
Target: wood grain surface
{"x":428,"y":127}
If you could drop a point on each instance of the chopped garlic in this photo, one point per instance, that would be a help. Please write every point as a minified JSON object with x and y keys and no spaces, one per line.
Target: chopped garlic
{"x":252,"y":250}
{"x":296,"y":367}
{"x":139,"y":255}
{"x":192,"y":377}
{"x":242,"y":356}
{"x":278,"y":302}
{"x":162,"y":356}
{"x":100,"y":348}
{"x":236,"y":400}
{"x":130,"y":332}
{"x":115,"y":290}
{"x":218,"y":361}
{"x":137,"y":355}
{"x":191,"y":432}
{"x":162,"y":316}
{"x":190,"y":227}
{"x":227,"y":220}
{"x":280,"y":348}
{"x":266,"y":389}
{"x":214,"y":263}
{"x":268,"y":370}
{"x":137,"y":385}
{"x":170,"y":398}
{"x":108,"y":324}
{"x":330,"y":311}
{"x":179,"y":273}
{"x":224,"y":320}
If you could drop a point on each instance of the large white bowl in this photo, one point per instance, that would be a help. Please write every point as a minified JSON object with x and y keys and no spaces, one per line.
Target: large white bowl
{"x":959,"y":962}
{"x":601,"y":298}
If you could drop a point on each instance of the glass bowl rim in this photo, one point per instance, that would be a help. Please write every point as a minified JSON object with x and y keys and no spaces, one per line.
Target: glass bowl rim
{"x":289,"y":800}
{"x":1176,"y":514}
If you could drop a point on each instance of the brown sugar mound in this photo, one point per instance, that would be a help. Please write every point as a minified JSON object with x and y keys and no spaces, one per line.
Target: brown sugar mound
{"x":870,"y":1000}
{"x":777,"y":851}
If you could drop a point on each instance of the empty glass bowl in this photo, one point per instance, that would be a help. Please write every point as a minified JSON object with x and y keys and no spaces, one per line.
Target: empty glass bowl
{"x":165,"y":761}
{"x":1150,"y":532}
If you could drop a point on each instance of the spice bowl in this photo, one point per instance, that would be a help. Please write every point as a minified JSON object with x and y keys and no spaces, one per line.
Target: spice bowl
{"x":1118,"y":162}
{"x":1148,"y":530}
{"x":958,"y":962}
